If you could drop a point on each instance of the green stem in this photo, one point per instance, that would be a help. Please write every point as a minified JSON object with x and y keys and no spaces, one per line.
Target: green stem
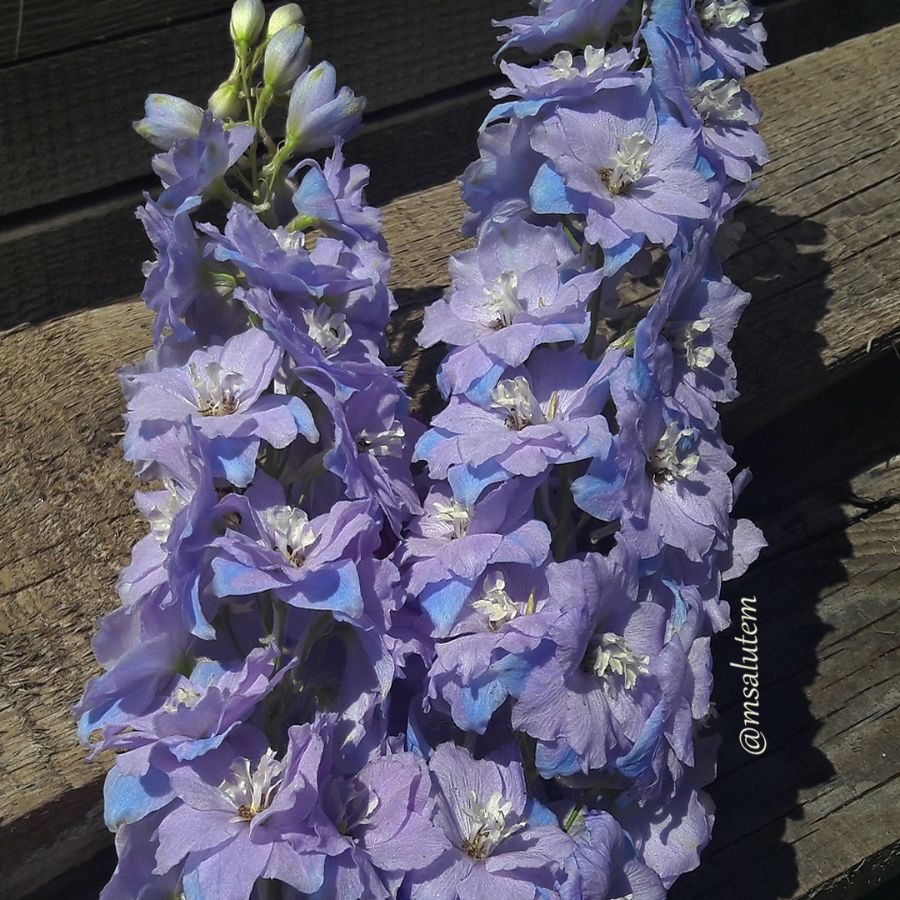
{"x":274,"y":167}
{"x":570,"y":819}
{"x":248,"y":99}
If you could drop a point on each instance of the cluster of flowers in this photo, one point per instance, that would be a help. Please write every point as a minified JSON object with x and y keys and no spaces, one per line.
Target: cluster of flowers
{"x":330,"y":678}
{"x":248,"y":666}
{"x":569,"y":560}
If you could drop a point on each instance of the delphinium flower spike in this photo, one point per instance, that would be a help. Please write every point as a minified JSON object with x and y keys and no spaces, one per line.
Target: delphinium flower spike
{"x":589,"y":423}
{"x":248,"y":668}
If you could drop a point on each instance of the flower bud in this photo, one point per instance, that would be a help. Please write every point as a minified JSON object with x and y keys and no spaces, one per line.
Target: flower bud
{"x":286,"y":57}
{"x":168,"y":118}
{"x":247,"y":18}
{"x":225,"y":101}
{"x":316,"y":114}
{"x":290,"y":14}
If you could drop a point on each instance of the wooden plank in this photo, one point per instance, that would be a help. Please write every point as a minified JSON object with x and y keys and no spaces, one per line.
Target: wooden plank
{"x":64,"y":537}
{"x":818,"y":814}
{"x":41,"y":27}
{"x":71,"y":141}
{"x":131,"y":45}
{"x":800,"y":461}
{"x":798,"y":27}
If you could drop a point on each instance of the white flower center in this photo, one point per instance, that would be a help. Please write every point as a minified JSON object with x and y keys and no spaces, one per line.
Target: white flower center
{"x":217,"y":392}
{"x":330,"y":332}
{"x":485,"y":825}
{"x":718,"y":98}
{"x":250,"y":791}
{"x":495,"y":603}
{"x":187,"y":695}
{"x":614,"y":657}
{"x":448,"y":520}
{"x":629,"y":162}
{"x":595,"y":58}
{"x":502,"y":304}
{"x":382,"y":443}
{"x":161,"y":516}
{"x":675,"y":455}
{"x":290,"y":241}
{"x":562,"y":66}
{"x":724,"y":13}
{"x":515,"y":397}
{"x":290,"y":532}
{"x":691,"y":340}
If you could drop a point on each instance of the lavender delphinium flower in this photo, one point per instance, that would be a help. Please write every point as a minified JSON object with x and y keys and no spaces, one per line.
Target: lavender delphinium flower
{"x":629,"y":142}
{"x":250,"y":667}
{"x":496,"y":844}
{"x":633,"y":176}
{"x":362,"y":656}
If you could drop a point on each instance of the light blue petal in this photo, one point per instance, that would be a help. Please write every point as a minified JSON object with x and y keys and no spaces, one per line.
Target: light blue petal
{"x":599,"y":491}
{"x":469,"y":482}
{"x":616,"y":257}
{"x":314,"y":198}
{"x":335,"y":587}
{"x":426,"y":444}
{"x":480,"y":702}
{"x":479,"y":391}
{"x":639,"y":758}
{"x":548,"y":192}
{"x":443,"y":601}
{"x":559,"y":761}
{"x":193,"y":749}
{"x":128,"y":798}
{"x":303,"y":418}
{"x":520,"y":109}
{"x":234,"y":459}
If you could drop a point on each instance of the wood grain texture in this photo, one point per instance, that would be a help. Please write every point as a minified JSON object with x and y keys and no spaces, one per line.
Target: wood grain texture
{"x":67,"y":519}
{"x":818,"y":815}
{"x":65,"y":124}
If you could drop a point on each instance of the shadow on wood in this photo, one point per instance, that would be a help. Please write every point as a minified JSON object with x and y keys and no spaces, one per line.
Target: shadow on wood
{"x":743,"y":790}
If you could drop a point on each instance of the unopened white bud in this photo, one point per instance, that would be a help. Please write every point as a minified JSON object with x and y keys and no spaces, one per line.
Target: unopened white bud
{"x":225,"y":101}
{"x":247,"y":19}
{"x":287,"y":57}
{"x":285,"y":16}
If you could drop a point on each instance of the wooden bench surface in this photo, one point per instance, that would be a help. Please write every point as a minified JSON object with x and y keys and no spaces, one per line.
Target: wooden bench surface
{"x":820,"y":257}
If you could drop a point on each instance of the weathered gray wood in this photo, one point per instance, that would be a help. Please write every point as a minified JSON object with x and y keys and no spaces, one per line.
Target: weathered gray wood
{"x":65,"y":124}
{"x":64,"y":491}
{"x":818,"y":815}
